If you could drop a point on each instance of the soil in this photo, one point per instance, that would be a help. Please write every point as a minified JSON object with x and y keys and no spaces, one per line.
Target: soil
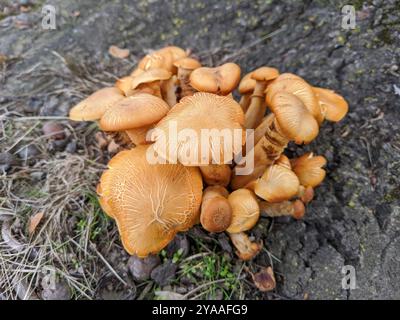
{"x":355,"y":218}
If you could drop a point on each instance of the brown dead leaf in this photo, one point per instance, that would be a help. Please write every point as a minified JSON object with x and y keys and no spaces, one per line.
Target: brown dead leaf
{"x":265,"y":279}
{"x":118,"y":52}
{"x":34,"y":222}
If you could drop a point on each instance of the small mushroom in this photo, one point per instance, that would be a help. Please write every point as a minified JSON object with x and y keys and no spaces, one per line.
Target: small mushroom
{"x":192,"y":116}
{"x":293,"y":208}
{"x":245,"y":210}
{"x":308,"y":169}
{"x":294,"y":120}
{"x":216,"y":212}
{"x":298,"y":87}
{"x":151,"y":79}
{"x":220,"y":80}
{"x":185,"y":68}
{"x":257,"y":106}
{"x":94,"y":106}
{"x":246,"y":88}
{"x":264,"y":279}
{"x":216,"y":174}
{"x":245,"y":249}
{"x":333,"y":106}
{"x":277,"y":184}
{"x":134,"y":114}
{"x":150,"y":202}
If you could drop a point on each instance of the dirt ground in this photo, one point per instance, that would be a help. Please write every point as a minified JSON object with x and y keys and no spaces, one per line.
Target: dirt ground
{"x":354,"y":220}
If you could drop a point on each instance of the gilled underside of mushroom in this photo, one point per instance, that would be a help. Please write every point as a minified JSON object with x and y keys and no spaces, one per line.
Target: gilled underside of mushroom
{"x":169,"y":86}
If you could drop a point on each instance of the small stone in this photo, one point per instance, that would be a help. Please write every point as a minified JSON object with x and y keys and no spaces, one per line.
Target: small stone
{"x":54,"y":130}
{"x":180,"y":242}
{"x":33,"y":105}
{"x":28,"y":152}
{"x":57,"y":291}
{"x":58,"y":145}
{"x":71,"y":147}
{"x":141,"y":268}
{"x":7,"y":160}
{"x":164,"y":273}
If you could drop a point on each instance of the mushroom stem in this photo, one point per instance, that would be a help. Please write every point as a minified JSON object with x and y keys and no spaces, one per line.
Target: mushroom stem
{"x":216,"y":174}
{"x":183,"y":76}
{"x":245,"y":249}
{"x":216,"y":212}
{"x":245,"y":102}
{"x":257,"y":107}
{"x":266,"y":151}
{"x":168,"y":89}
{"x":121,"y":138}
{"x":295,"y":209}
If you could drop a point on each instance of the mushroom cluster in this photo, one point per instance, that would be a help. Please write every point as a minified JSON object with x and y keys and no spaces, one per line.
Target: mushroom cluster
{"x":152,"y":202}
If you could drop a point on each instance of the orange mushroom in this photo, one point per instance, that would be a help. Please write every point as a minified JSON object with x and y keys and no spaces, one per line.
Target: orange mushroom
{"x":219,"y":80}
{"x":277,"y":184}
{"x":333,"y":106}
{"x":216,"y":212}
{"x":94,"y":106}
{"x":308,"y":169}
{"x":246,"y":88}
{"x":194,"y":140}
{"x":294,"y":208}
{"x":246,"y":211}
{"x":245,"y":249}
{"x":216,"y":174}
{"x":150,"y":203}
{"x":185,"y":68}
{"x":257,"y":106}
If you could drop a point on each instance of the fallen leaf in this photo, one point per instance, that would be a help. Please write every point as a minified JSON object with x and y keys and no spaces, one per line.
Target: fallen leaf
{"x":34,"y":222}
{"x":118,"y":52}
{"x":265,"y":279}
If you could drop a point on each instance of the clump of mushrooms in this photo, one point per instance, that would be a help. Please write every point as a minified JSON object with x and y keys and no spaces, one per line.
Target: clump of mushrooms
{"x":152,"y":202}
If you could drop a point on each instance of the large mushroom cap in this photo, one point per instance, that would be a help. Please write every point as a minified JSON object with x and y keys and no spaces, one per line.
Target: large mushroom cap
{"x":308,"y":169}
{"x":94,"y":106}
{"x":245,"y":210}
{"x":150,"y":203}
{"x":247,"y":84}
{"x":333,"y":106}
{"x":300,"y":89}
{"x":200,"y":115}
{"x":135,"y":111}
{"x":294,"y":120}
{"x":277,"y":184}
{"x":222,"y":80}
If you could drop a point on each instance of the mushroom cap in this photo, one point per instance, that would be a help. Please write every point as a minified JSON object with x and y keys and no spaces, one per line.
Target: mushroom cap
{"x":301,"y":90}
{"x":150,"y":75}
{"x":294,"y":120}
{"x":264,"y":74}
{"x":94,"y":106}
{"x":216,"y":212}
{"x":298,"y":209}
{"x":284,"y":162}
{"x":333,"y":106}
{"x":223,"y":79}
{"x":156,"y":60}
{"x":150,"y":203}
{"x":245,"y":210}
{"x":277,"y":184}
{"x":216,"y":174}
{"x":187,"y":63}
{"x":176,"y":52}
{"x":308,"y":169}
{"x":246,"y":250}
{"x":247,"y":84}
{"x":287,"y":75}
{"x":192,"y":114}
{"x":135,"y":111}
